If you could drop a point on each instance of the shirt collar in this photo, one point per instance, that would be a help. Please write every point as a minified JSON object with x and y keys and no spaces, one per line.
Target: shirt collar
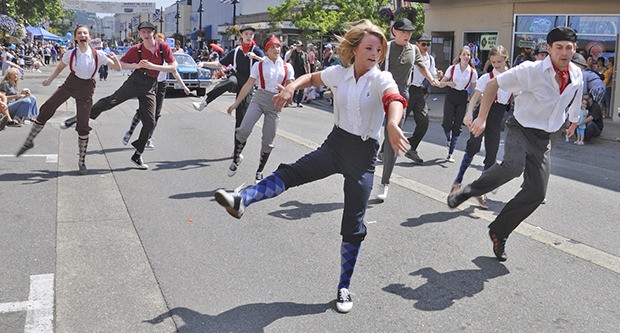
{"x":350,"y":73}
{"x":278,"y":60}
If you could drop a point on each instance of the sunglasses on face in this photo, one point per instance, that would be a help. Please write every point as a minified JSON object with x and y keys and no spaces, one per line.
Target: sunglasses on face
{"x":425,"y":44}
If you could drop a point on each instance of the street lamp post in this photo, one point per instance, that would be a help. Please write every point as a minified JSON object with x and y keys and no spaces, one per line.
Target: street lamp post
{"x":200,"y":10}
{"x":234,"y":3}
{"x":177,"y":16}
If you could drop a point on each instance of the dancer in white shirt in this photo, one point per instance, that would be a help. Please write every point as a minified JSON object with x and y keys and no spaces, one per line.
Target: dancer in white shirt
{"x":548,"y":92}
{"x":362,"y":94}
{"x":83,"y":61}
{"x":270,"y":74}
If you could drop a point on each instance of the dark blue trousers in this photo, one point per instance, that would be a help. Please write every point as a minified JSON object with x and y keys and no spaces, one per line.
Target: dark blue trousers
{"x":346,"y":154}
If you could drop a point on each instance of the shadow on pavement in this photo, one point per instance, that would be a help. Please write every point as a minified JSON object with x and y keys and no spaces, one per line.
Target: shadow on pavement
{"x":438,"y":217}
{"x":186,"y":164}
{"x":245,"y":318}
{"x":442,"y":290}
{"x":300,"y":210}
{"x":204,"y":194}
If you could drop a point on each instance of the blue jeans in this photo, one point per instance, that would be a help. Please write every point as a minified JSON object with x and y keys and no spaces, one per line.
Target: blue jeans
{"x":24,"y":107}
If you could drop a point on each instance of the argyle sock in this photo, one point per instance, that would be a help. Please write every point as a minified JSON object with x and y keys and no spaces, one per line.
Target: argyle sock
{"x":269,"y":187}
{"x":349,"y":252}
{"x":264,"y":156}
{"x":448,"y":137}
{"x":238,"y":149}
{"x":465,"y":163}
{"x":35,"y":129}
{"x":453,"y":144}
{"x":134,"y":122}
{"x":82,"y":145}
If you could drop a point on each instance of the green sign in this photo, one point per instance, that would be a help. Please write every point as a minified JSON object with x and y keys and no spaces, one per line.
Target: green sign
{"x":487,"y":42}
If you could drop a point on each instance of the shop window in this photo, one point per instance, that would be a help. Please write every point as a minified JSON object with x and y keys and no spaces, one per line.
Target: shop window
{"x":538,"y":23}
{"x":595,"y":25}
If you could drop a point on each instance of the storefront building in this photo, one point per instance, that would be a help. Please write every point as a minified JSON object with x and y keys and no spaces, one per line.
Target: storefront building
{"x":519,"y":25}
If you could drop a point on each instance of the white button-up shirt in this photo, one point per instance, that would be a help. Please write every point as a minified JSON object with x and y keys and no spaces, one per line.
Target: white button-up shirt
{"x":84,"y":63}
{"x":418,"y":77}
{"x":358,"y":108}
{"x":503,"y":96}
{"x":273,"y":73}
{"x":539,"y":103}
{"x":463,"y":79}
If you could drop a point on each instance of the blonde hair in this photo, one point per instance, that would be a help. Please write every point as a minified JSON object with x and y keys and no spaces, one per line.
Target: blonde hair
{"x":160,"y":36}
{"x":499,"y":50}
{"x":11,"y":70}
{"x":353,"y":38}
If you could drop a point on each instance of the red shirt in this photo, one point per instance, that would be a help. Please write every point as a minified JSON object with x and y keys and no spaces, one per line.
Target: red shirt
{"x":131,"y":57}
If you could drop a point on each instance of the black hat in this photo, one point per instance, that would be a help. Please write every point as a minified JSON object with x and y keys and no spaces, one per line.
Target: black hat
{"x":146,"y":25}
{"x":578,"y":59}
{"x":561,"y":34}
{"x":540,"y":49}
{"x":403,"y":24}
{"x":247,"y":27}
{"x":424,"y":37}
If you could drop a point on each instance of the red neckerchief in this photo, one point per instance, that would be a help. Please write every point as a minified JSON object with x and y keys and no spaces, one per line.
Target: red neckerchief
{"x":246,"y":48}
{"x":563,"y":75}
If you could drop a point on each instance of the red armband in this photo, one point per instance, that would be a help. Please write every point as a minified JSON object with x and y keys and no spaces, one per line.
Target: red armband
{"x":393,"y":97}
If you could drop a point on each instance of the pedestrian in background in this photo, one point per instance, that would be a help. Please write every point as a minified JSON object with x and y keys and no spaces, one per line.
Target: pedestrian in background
{"x":362,"y":94}
{"x":301,"y":65}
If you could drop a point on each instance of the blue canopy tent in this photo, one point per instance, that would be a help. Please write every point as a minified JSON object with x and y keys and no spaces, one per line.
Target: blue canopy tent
{"x":40,"y":33}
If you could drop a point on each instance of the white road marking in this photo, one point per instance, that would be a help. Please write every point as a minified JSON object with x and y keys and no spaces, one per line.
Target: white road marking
{"x":39,"y":307}
{"x":49,"y":158}
{"x":564,"y":244}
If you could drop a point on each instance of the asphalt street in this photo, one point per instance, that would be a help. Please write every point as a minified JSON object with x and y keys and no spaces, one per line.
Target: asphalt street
{"x":127,"y":250}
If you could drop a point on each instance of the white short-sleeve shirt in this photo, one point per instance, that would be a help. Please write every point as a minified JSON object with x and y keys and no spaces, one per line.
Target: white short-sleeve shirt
{"x":273,"y":73}
{"x":463,"y":79}
{"x":418,"y":77}
{"x":84,"y":63}
{"x":539,"y":103}
{"x":503,"y":96}
{"x":358,"y":108}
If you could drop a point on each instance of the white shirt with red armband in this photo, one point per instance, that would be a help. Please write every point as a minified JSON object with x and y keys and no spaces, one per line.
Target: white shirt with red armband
{"x":358,"y":108}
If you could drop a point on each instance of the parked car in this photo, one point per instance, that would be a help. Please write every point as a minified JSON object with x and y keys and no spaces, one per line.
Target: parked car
{"x":194,"y":78}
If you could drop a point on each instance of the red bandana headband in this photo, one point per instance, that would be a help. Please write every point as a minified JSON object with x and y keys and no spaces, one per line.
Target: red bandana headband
{"x":272,"y":41}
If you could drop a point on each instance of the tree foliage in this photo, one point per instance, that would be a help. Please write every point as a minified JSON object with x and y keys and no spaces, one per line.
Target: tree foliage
{"x":320,"y":17}
{"x":34,"y":12}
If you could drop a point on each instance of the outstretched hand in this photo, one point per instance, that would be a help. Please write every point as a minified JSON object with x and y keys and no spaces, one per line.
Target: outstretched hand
{"x":397,"y":138}
{"x":477,"y":127}
{"x":283,"y":98}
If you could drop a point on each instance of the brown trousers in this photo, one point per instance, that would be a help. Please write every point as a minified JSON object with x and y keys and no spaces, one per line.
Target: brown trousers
{"x":82,"y":91}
